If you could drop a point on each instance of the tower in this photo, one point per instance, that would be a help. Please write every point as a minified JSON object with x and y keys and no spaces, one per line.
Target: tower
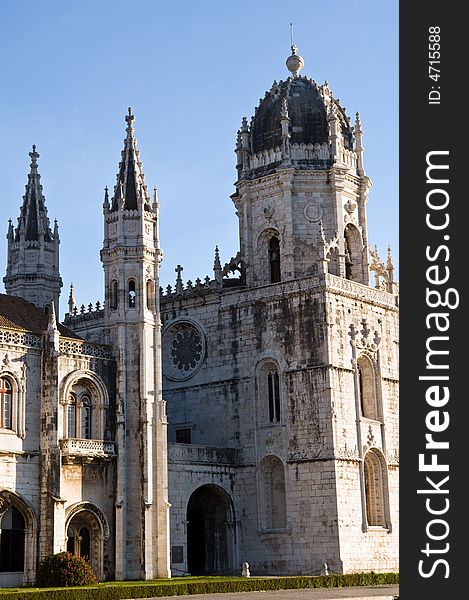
{"x":33,"y":248}
{"x":131,"y":257}
{"x":289,"y":371}
{"x":301,"y":174}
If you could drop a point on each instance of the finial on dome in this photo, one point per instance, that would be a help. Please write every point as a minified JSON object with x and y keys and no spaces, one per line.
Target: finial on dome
{"x":294,"y":62}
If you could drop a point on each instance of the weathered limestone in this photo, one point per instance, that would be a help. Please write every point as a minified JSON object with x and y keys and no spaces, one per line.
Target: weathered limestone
{"x":255,"y":411}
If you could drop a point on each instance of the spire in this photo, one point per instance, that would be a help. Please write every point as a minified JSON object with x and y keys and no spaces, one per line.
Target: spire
{"x":217,"y":266}
{"x":179,"y":285}
{"x":130,"y":191}
{"x":52,"y":325}
{"x":71,"y":300}
{"x":33,"y":247}
{"x":359,"y":144}
{"x":33,"y":222}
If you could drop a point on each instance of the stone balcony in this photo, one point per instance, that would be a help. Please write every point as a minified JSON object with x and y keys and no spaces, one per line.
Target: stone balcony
{"x":86,"y":450}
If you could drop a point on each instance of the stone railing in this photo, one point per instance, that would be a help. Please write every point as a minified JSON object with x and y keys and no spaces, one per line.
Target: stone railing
{"x":20,"y":338}
{"x":87,"y":448}
{"x":68,"y":346}
{"x":362,"y":292}
{"x":203,"y":455}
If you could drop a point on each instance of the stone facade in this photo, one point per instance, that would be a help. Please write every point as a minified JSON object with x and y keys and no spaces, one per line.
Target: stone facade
{"x":277,"y":439}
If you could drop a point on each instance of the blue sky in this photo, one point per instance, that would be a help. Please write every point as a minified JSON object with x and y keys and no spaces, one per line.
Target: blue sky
{"x":191,"y":71}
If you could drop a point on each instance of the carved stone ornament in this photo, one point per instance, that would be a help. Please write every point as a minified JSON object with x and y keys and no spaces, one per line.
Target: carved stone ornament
{"x":183,"y":345}
{"x":364,"y":339}
{"x":313,"y":212}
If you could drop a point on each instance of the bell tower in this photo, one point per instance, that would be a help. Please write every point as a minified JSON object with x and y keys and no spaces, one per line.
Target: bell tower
{"x":131,"y":256}
{"x":302,"y":190}
{"x":33,"y":248}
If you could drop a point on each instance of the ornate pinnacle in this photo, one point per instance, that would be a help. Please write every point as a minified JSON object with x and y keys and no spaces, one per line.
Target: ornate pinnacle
{"x":34,"y":156}
{"x":284,"y":108}
{"x":358,"y":123}
{"x":52,"y":326}
{"x":389,"y":263}
{"x":217,"y":266}
{"x":244,"y":124}
{"x":179,"y":285}
{"x":71,"y":299}
{"x":129,"y":119}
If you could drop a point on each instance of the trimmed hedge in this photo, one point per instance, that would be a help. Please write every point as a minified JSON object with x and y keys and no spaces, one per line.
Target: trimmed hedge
{"x":189,"y":586}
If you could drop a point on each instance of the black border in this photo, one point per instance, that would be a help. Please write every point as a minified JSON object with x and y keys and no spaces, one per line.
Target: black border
{"x":425,"y":127}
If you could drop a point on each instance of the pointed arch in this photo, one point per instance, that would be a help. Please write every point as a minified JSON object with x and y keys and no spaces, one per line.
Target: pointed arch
{"x":269,"y":392}
{"x":353,"y":243}
{"x":269,"y":250}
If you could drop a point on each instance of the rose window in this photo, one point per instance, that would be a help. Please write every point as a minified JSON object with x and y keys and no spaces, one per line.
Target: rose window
{"x":183,"y":350}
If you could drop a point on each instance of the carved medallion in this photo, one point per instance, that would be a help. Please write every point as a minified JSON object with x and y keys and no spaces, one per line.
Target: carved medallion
{"x":313,"y":212}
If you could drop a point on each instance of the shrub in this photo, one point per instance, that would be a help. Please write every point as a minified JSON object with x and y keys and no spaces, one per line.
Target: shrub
{"x":64,"y":569}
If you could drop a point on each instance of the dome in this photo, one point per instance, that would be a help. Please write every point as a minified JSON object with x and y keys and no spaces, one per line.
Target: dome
{"x":306,"y":110}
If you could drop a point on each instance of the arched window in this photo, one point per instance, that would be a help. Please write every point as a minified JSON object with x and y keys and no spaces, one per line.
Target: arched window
{"x":274,"y":396}
{"x":353,"y":254}
{"x":6,"y":403}
{"x":150,"y":294}
{"x":80,"y":414}
{"x":367,"y":388}
{"x":132,"y":294}
{"x":273,"y":482}
{"x":274,"y":259}
{"x":12,"y":534}
{"x":375,"y":490}
{"x":72,"y":416}
{"x":268,"y":391}
{"x":85,"y":418}
{"x":114,"y":295}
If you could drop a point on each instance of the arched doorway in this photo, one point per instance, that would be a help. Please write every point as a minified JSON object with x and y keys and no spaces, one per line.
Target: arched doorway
{"x":17,"y":540}
{"x":210,"y":532}
{"x":86,"y":531}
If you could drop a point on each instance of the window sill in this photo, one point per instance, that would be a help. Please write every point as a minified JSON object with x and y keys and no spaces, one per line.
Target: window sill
{"x":274,"y":531}
{"x":270,"y":425}
{"x":377,"y":529}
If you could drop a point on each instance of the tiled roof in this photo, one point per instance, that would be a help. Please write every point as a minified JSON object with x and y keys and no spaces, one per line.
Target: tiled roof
{"x":17,"y":313}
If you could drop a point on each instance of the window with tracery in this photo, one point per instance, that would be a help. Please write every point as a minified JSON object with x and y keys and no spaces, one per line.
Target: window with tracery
{"x":79,"y":414}
{"x":367,"y":388}
{"x":268,"y":389}
{"x":6,"y":403}
{"x":375,"y":490}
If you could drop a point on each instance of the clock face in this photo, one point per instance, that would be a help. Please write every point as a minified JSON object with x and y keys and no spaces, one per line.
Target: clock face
{"x":183,"y":346}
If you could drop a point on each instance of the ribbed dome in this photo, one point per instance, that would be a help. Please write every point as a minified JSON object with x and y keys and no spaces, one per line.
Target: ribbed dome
{"x":306,"y":111}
